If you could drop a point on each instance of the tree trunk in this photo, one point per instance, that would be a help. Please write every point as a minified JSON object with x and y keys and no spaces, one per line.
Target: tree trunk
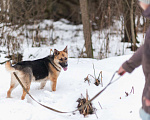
{"x":129,"y":24}
{"x":127,"y":21}
{"x":86,"y":28}
{"x":132,"y":27}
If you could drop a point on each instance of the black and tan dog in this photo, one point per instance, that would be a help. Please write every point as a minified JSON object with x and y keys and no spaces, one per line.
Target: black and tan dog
{"x":41,"y":70}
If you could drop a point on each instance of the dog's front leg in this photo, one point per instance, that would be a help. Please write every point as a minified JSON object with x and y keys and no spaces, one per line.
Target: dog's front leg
{"x":53,"y":84}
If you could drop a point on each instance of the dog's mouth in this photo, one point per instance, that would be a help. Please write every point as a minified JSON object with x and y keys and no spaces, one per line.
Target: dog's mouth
{"x":64,"y":66}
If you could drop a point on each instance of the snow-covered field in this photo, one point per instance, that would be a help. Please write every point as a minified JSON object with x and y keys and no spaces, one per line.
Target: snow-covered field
{"x":115,"y":104}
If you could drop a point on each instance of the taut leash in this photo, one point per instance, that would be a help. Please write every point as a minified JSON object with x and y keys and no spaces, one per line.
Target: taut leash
{"x":58,"y":111}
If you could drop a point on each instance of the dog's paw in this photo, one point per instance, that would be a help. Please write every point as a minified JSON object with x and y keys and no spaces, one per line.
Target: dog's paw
{"x":8,"y":97}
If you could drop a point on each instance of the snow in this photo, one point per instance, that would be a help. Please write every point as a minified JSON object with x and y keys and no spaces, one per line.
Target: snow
{"x":115,"y":104}
{"x":70,"y":86}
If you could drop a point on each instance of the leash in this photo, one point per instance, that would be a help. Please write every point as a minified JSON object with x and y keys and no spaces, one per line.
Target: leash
{"x":111,"y":82}
{"x":58,"y":111}
{"x":33,"y":98}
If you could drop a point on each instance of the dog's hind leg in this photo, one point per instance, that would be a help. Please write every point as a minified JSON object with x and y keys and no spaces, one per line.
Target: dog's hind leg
{"x":24,"y":93}
{"x":43,"y":83}
{"x":27,"y":86}
{"x":13,"y":85}
{"x":26,"y":80}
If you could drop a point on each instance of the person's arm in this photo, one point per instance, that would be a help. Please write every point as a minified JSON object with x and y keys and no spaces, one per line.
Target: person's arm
{"x":132,"y":63}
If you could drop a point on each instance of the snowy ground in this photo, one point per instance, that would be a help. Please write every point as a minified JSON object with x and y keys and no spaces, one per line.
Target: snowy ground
{"x":115,"y":104}
{"x":70,"y":86}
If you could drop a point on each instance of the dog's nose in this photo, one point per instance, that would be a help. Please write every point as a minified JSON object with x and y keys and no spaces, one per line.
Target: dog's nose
{"x":66,"y":64}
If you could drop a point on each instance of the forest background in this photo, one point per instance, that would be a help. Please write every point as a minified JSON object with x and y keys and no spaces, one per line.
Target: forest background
{"x":91,"y":29}
{"x":95,"y":15}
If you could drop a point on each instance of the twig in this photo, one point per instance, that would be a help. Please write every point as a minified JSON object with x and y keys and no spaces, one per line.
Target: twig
{"x":101,"y":78}
{"x":94,"y":71}
{"x":91,"y":75}
{"x":87,"y":79}
{"x":132,"y":90}
{"x":87,"y":106}
{"x":100,"y":105}
{"x":51,"y":51}
{"x":97,"y":81}
{"x":96,"y":115}
{"x":3,"y":62}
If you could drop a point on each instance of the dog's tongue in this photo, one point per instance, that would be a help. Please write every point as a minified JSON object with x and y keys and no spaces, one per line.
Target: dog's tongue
{"x":65,"y":68}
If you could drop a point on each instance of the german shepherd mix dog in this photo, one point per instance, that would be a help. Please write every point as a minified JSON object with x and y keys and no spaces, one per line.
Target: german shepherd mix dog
{"x":41,"y":70}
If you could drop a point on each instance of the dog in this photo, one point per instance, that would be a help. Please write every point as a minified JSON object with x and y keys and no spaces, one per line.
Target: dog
{"x":47,"y":68}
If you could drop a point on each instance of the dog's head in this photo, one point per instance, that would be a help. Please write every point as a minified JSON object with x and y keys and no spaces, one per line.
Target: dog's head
{"x":61,"y":58}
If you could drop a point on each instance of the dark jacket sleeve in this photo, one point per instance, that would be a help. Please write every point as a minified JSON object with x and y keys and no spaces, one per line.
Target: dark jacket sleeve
{"x":134,"y":62}
{"x":146,"y":13}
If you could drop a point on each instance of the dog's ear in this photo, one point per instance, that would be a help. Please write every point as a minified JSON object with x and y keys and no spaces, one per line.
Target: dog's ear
{"x":56,"y":52}
{"x":65,"y":50}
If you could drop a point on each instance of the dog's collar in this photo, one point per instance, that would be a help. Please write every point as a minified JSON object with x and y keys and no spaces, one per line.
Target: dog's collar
{"x":51,"y":60}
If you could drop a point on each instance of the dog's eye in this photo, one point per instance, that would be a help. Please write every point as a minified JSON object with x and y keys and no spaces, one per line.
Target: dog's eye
{"x":61,"y":59}
{"x":65,"y":58}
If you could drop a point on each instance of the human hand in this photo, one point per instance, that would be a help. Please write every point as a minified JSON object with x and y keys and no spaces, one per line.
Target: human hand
{"x":121,"y":71}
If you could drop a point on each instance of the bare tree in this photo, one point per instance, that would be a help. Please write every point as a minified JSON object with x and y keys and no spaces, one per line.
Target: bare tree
{"x":86,"y":28}
{"x":128,"y":12}
{"x":132,"y":26}
{"x":99,"y":15}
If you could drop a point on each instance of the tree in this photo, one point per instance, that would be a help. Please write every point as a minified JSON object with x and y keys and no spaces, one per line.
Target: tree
{"x":134,"y":47}
{"x":86,"y":28}
{"x":129,"y":23}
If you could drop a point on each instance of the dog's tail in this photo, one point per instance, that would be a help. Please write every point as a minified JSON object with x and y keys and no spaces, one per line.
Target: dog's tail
{"x":9,"y":67}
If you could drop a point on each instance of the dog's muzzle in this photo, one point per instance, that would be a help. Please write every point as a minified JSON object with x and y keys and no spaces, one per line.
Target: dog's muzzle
{"x":64,"y":65}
